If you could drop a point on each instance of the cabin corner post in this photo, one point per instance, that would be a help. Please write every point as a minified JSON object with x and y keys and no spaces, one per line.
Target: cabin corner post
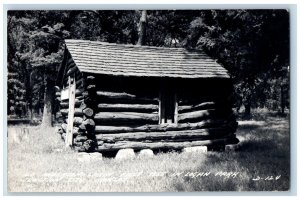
{"x":88,"y":108}
{"x":69,"y":132}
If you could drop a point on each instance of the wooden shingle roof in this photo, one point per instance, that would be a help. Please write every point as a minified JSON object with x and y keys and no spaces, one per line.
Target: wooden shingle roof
{"x":142,"y":61}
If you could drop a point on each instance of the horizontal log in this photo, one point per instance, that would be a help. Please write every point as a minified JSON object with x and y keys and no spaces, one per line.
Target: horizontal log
{"x":77,"y":112}
{"x":210,"y":133}
{"x":162,"y":139}
{"x":197,"y":100}
{"x":195,"y":107}
{"x":164,"y":145}
{"x":128,"y":107}
{"x":124,"y":97}
{"x":161,"y":127}
{"x":203,"y":114}
{"x":115,"y":95}
{"x":126,"y":117}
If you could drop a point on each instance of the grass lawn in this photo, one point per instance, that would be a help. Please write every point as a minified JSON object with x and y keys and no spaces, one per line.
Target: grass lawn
{"x":38,"y":162}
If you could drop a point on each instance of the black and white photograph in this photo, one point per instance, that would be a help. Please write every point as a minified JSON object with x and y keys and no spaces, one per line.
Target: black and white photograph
{"x":148,"y":100}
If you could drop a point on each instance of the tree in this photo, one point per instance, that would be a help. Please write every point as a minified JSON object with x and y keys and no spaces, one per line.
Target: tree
{"x":142,"y":28}
{"x":253,"y":45}
{"x":19,"y":90}
{"x":116,"y":26}
{"x":47,"y":57}
{"x":247,"y":42}
{"x":39,"y":56}
{"x":168,"y":28}
{"x":16,"y":95}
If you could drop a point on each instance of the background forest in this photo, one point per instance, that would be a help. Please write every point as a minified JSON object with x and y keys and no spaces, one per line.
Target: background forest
{"x":253,"y":45}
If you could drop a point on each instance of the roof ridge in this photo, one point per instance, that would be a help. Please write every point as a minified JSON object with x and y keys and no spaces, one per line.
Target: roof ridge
{"x":131,"y":45}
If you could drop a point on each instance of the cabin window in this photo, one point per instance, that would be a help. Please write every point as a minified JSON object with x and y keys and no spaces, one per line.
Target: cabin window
{"x":167,"y":108}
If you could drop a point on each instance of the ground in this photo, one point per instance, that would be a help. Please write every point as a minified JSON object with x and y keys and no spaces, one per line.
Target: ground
{"x":38,"y":162}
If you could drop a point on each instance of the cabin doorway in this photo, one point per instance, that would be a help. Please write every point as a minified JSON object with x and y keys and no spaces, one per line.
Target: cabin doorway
{"x":168,"y":106}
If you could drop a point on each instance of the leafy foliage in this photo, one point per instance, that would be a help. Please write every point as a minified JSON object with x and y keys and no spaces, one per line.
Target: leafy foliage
{"x":253,"y":45}
{"x":16,"y":95}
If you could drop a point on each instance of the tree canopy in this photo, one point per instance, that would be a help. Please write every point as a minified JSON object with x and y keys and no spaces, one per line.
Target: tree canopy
{"x":253,"y":45}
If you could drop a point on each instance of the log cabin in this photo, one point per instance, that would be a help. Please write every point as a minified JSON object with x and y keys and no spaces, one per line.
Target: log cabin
{"x":116,"y":96}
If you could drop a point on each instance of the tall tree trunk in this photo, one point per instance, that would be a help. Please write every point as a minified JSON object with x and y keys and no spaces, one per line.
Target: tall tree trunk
{"x":282,"y":99}
{"x":247,"y":110}
{"x":247,"y":105}
{"x":47,"y":112}
{"x":142,"y":28}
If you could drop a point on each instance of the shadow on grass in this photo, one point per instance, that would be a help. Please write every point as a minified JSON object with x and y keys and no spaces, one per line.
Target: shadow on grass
{"x":247,"y":165}
{"x":254,"y":146}
{"x":264,"y":151}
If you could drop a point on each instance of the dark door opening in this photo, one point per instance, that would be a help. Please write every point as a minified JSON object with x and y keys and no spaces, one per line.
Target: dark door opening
{"x":168,"y":106}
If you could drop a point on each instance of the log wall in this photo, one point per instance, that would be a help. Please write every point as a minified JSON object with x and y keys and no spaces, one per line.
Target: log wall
{"x":130,"y":119}
{"x":113,"y":113}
